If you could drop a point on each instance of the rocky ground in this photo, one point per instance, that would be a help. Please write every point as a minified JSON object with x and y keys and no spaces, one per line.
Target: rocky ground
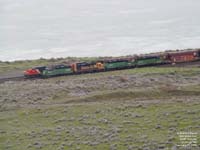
{"x":143,"y":108}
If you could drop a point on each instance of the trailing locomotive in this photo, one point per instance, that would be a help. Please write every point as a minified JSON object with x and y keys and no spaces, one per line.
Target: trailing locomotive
{"x":114,"y":64}
{"x":87,"y":67}
{"x":149,"y":60}
{"x":57,"y":70}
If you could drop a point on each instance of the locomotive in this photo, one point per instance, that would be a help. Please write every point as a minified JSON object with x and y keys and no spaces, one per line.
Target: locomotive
{"x":169,"y":57}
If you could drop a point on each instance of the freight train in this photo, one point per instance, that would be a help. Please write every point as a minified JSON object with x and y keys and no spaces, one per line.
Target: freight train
{"x":170,"y":57}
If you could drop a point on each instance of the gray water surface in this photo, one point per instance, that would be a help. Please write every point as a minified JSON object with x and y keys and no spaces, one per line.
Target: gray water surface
{"x":30,"y":29}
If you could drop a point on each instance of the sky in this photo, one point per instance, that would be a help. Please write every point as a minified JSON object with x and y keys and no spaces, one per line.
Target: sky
{"x":31,"y":29}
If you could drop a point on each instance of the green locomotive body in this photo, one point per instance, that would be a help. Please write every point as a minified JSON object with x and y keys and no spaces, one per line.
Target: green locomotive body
{"x":57,"y":70}
{"x":117,"y":64}
{"x":147,"y":61}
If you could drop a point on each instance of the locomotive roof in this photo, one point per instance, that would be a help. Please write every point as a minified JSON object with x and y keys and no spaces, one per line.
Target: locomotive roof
{"x":40,"y":67}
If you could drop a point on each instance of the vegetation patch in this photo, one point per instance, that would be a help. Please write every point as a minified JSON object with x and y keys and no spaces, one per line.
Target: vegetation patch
{"x":98,"y":125}
{"x":141,"y":108}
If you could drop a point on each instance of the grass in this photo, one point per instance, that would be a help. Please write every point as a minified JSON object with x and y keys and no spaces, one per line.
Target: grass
{"x":64,"y":126}
{"x":128,"y":95}
{"x":134,"y":118}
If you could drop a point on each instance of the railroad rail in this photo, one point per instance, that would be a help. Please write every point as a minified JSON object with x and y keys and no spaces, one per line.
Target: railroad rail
{"x":18,"y":78}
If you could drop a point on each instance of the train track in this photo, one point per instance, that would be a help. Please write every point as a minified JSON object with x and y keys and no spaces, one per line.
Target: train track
{"x":184,"y":64}
{"x":18,"y":78}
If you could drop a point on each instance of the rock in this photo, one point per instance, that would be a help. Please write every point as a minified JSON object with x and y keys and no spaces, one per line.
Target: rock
{"x":78,"y":148}
{"x":158,"y":126}
{"x":146,"y":148}
{"x":95,"y":143}
{"x":135,"y":115}
{"x":130,"y":147}
{"x":103,"y":120}
{"x":29,"y":146}
{"x":160,"y":147}
{"x":97,"y":111}
{"x":191,"y":112}
{"x":113,"y":147}
{"x":172,"y":129}
{"x":37,"y":145}
{"x":170,"y":139}
{"x":123,"y":79}
{"x":139,"y":106}
{"x":174,"y":148}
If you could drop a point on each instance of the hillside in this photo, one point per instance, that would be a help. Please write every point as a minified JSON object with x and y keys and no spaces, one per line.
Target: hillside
{"x":143,"y":108}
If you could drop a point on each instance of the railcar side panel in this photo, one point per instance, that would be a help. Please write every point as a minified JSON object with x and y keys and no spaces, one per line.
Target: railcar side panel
{"x":149,"y":61}
{"x":183,"y":57}
{"x":57,"y":72}
{"x":85,"y":67}
{"x":117,"y":65}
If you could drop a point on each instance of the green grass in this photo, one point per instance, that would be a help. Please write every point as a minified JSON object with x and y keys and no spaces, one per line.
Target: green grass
{"x":117,"y":119}
{"x":129,"y":95}
{"x":57,"y":126}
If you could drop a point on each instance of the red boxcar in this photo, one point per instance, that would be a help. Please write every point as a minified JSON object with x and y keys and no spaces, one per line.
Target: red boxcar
{"x":176,"y":57}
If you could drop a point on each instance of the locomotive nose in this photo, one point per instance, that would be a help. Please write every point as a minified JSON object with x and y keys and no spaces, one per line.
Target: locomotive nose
{"x":26,"y":72}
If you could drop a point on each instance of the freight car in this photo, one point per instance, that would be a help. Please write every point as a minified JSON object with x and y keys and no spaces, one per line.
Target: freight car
{"x":185,"y":56}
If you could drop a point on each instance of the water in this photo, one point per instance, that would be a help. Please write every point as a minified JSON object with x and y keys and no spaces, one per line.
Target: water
{"x":30,"y":29}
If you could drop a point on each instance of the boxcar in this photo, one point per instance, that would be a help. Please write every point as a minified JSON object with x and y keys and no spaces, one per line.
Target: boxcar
{"x":177,"y":57}
{"x":57,"y":70}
